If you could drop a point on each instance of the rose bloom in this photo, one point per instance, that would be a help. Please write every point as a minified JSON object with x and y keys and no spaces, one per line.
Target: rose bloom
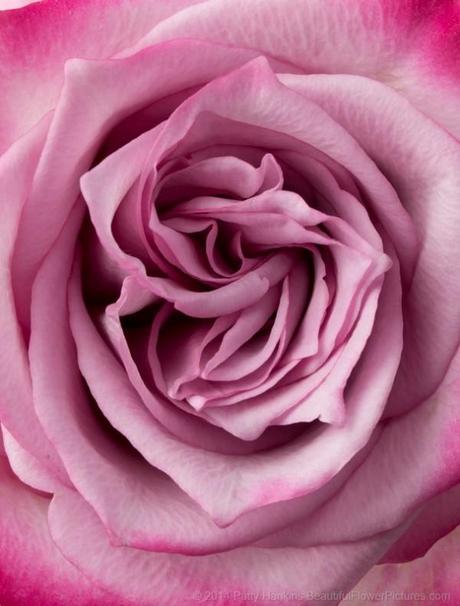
{"x":230,"y":320}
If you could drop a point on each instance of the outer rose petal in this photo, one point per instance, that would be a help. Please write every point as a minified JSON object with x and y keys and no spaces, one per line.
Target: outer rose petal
{"x":17,"y":168}
{"x":437,"y":518}
{"x":27,"y":467}
{"x":411,"y":45}
{"x":233,"y":578}
{"x":416,"y":457}
{"x":32,"y":571}
{"x":436,"y":577}
{"x":36,"y":40}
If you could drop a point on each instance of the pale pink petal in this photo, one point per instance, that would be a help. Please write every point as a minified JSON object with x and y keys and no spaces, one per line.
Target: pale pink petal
{"x":305,"y":341}
{"x":228,"y":299}
{"x":226,"y":578}
{"x":327,"y":402}
{"x":423,"y":163}
{"x":228,"y":486}
{"x":416,"y":457}
{"x":223,"y":486}
{"x":189,"y":429}
{"x":228,"y":174}
{"x":346,"y":204}
{"x":37,"y":40}
{"x":159,"y":516}
{"x":439,"y":516}
{"x":27,"y":467}
{"x":16,"y":403}
{"x":432,"y":579}
{"x":33,"y":571}
{"x":247,"y":415}
{"x":246,"y":325}
{"x":90,"y":104}
{"x":138,"y":505}
{"x":410,"y":45}
{"x":252,"y":363}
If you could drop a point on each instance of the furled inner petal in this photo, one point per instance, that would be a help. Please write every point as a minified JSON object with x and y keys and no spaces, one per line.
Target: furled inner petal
{"x":223,"y":174}
{"x":251,"y":287}
{"x":129,"y":336}
{"x":249,"y":322}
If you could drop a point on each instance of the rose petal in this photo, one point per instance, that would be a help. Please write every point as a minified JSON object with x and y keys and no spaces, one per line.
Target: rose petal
{"x":248,"y":323}
{"x":17,"y":167}
{"x":90,"y":104}
{"x":433,"y":579}
{"x":223,"y":486}
{"x":33,"y":571}
{"x":383,"y":492}
{"x":227,"y":486}
{"x":138,"y":505}
{"x":159,"y":516}
{"x":189,"y":429}
{"x":32,"y":56}
{"x":429,"y":185}
{"x":411,"y":45}
{"x":27,"y":467}
{"x":439,"y":516}
{"x":231,"y":576}
{"x":228,"y":174}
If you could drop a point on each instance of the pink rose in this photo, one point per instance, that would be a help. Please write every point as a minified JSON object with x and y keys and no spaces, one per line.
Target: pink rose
{"x":229,"y":331}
